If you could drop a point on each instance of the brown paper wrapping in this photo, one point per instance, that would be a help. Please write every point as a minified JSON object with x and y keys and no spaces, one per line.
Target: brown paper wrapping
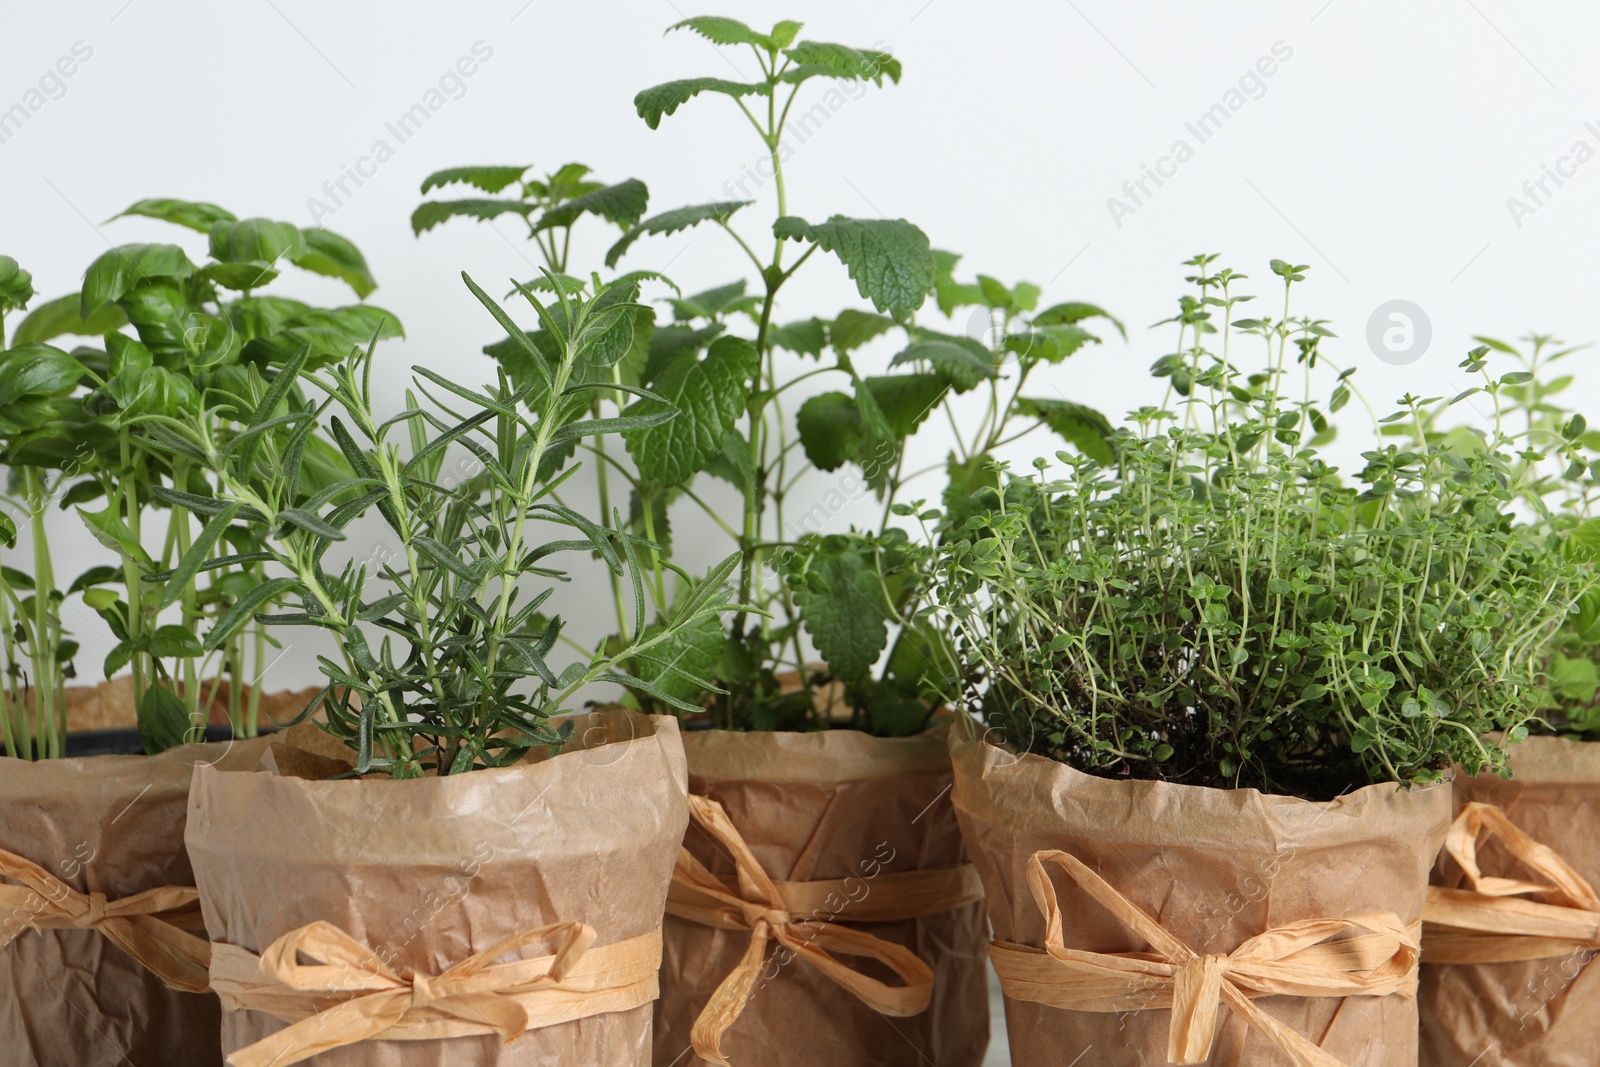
{"x":1533,"y":1013}
{"x":110,"y":705}
{"x":1214,"y":867}
{"x":112,"y":825}
{"x":819,"y":806}
{"x":426,"y":873}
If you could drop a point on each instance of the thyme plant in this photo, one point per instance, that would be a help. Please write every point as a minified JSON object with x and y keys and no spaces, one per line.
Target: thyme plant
{"x":1558,"y":458}
{"x":1217,"y":606}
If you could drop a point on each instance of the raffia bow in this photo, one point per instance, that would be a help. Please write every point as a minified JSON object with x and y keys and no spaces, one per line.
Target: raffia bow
{"x":352,"y":995}
{"x":1369,"y":955}
{"x":1490,"y":923}
{"x":801,"y":916}
{"x":145,"y":925}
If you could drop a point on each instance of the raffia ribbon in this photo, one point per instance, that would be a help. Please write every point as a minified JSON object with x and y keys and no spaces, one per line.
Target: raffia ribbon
{"x":1369,"y":955}
{"x":802,"y":917}
{"x":145,"y":925}
{"x":352,"y":995}
{"x":1489,"y":923}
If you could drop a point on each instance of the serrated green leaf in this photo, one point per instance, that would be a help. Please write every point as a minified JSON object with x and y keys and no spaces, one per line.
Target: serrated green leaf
{"x":623,"y":204}
{"x":957,"y":364}
{"x":853,"y":328}
{"x":906,"y":399}
{"x":819,"y":58}
{"x":1050,"y":343}
{"x":489,"y":179}
{"x":710,"y":394}
{"x":719,"y":30}
{"x":664,"y":99}
{"x":889,"y":259}
{"x":715,"y":302}
{"x":808,"y":337}
{"x":672,"y":221}
{"x":830,"y":430}
{"x":680,"y":666}
{"x":1080,"y":425}
{"x":433,"y":212}
{"x":841,"y":607}
{"x":1073,"y":311}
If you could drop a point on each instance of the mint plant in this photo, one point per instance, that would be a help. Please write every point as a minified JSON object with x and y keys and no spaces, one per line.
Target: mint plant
{"x":732,"y":368}
{"x":178,"y":339}
{"x":1218,"y":607}
{"x":444,"y":657}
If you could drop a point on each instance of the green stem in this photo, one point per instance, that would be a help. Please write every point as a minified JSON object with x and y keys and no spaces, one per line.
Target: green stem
{"x":48,"y":687}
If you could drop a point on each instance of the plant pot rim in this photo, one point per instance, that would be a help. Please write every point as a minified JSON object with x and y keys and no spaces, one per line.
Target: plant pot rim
{"x":1248,"y":796}
{"x":643,"y":727}
{"x":814,"y":755}
{"x":1547,"y":759}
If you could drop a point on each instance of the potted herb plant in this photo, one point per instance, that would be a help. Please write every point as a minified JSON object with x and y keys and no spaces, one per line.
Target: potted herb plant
{"x":119,"y":983}
{"x":834,"y":774}
{"x":1221,"y":687}
{"x":478,"y":877}
{"x":1508,"y":945}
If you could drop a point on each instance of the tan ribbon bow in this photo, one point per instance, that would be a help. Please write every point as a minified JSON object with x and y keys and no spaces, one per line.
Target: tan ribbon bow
{"x":1489,"y":923}
{"x":144,"y":925}
{"x":802,"y":917}
{"x":1369,"y":955}
{"x":352,"y":995}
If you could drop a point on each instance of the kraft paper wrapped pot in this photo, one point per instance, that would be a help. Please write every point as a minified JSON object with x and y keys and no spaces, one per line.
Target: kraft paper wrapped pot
{"x":424,"y":874}
{"x":111,"y":825}
{"x":830,"y":805}
{"x":1212,"y":868}
{"x":1530,"y":1013}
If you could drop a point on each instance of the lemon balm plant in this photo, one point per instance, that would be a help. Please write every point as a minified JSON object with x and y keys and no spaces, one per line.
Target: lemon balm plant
{"x":738,"y":374}
{"x":1220,"y":607}
{"x":456,"y":673}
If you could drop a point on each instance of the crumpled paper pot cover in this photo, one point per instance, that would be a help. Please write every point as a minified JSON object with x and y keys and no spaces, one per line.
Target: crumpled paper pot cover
{"x":111,"y":825}
{"x":1212,"y":869}
{"x":834,"y":804}
{"x":424,"y":874}
{"x":1527,"y":1013}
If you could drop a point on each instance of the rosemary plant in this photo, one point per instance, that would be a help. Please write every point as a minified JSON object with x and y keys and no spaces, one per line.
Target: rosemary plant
{"x":461,"y":677}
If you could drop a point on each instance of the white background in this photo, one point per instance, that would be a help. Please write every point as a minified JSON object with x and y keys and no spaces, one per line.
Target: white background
{"x":1382,"y":153}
